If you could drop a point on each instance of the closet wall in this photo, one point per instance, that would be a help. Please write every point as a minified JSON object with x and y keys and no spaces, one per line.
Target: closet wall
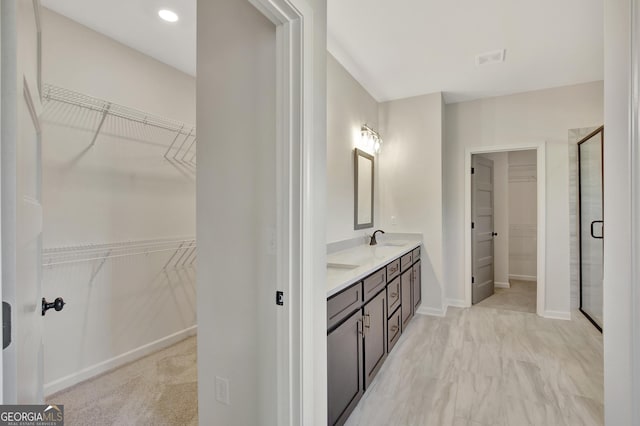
{"x":523,"y":217}
{"x":108,"y":205}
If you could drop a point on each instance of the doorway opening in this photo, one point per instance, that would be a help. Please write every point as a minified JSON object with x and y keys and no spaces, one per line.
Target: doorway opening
{"x":505,"y":238}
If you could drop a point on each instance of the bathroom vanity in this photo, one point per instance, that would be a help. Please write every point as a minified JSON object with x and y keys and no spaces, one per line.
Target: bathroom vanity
{"x":373,"y":293}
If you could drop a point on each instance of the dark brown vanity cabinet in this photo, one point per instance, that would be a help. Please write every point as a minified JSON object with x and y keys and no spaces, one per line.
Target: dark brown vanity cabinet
{"x":374,"y":320}
{"x":345,"y":380}
{"x":364,"y":322}
{"x":416,"y":279}
{"x":406,"y":288}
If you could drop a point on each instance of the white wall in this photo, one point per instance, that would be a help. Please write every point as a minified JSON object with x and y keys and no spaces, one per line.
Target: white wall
{"x":523,"y":229}
{"x":349,"y":106}
{"x":619,"y":356}
{"x":532,"y":117}
{"x":118,"y":190}
{"x":236,"y":208}
{"x":500,"y":216}
{"x":410,"y":165}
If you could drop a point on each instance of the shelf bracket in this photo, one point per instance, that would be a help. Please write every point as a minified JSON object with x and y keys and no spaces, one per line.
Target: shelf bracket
{"x":104,"y":117}
{"x":182,"y":145}
{"x":173,"y":142}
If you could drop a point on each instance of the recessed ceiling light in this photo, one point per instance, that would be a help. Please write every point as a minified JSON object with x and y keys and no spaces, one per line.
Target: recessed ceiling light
{"x":168,"y":15}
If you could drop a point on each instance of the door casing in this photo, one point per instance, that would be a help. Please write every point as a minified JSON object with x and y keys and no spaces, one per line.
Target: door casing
{"x":540,"y":148}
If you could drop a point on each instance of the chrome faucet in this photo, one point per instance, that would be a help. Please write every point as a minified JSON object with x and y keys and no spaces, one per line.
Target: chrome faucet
{"x":373,"y":241}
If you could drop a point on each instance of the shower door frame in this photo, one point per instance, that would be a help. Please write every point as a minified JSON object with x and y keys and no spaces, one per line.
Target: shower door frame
{"x":599,"y":130}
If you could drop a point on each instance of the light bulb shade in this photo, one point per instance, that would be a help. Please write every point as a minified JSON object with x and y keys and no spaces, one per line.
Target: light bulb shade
{"x":371,"y":141}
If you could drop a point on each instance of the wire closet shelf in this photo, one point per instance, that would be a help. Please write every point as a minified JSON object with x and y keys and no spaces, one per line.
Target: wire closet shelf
{"x":183,"y":143}
{"x":184,"y":252}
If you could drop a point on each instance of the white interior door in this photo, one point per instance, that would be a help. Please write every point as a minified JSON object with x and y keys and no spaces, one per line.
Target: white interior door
{"x":482,"y":228}
{"x":21,"y":200}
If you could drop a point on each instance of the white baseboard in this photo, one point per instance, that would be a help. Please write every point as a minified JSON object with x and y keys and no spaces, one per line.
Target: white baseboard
{"x":502,"y":285}
{"x":434,"y":312}
{"x":561,"y":315}
{"x":523,"y":277}
{"x":117,"y":361}
{"x":456,"y":303}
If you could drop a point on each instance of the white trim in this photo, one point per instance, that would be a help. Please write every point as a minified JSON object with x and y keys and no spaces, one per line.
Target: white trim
{"x":540,"y":147}
{"x":634,"y":158}
{"x":456,"y":303}
{"x":501,"y":284}
{"x":523,"y":277}
{"x":434,"y":312}
{"x":301,"y":391}
{"x":559,"y":315}
{"x":118,"y":361}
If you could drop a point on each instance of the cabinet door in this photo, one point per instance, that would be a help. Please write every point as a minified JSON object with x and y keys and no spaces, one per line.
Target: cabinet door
{"x":375,"y":336}
{"x":407,"y":301}
{"x":344,"y":369}
{"x":417,"y":289}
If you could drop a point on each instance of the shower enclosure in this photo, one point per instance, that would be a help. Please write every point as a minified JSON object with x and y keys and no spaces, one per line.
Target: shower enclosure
{"x":591,"y":225}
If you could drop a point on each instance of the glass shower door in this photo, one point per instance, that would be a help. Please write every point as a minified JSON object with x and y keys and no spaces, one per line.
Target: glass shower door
{"x":591,"y":226}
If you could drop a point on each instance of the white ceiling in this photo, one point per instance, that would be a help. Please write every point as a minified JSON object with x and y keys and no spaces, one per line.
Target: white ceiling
{"x":137,"y":24}
{"x":401,"y":48}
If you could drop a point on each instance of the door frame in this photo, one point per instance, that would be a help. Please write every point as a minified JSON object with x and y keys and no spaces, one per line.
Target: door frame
{"x":301,"y":350}
{"x":540,"y":149}
{"x":579,"y":212}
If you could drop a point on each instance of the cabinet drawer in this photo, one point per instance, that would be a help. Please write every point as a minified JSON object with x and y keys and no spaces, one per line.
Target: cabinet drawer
{"x":406,"y":261}
{"x":343,"y":304}
{"x":394,"y":329}
{"x":393,"y":295}
{"x":374,"y":283}
{"x":416,"y":254}
{"x":393,"y":269}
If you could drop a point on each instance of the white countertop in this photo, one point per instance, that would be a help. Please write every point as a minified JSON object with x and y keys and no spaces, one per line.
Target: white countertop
{"x":349,"y":266}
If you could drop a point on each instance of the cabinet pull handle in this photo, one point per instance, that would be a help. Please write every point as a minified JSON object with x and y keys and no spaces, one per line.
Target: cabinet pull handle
{"x":367,"y":322}
{"x":360,"y":329}
{"x":394,"y":328}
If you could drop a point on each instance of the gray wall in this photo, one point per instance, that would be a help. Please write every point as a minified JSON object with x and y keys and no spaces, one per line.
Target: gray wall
{"x":532,"y":117}
{"x":619,"y":360}
{"x":236,"y":202}
{"x":349,"y":106}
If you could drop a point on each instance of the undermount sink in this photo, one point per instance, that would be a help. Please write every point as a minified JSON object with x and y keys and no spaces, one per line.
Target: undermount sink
{"x":344,"y":266}
{"x":393,"y":244}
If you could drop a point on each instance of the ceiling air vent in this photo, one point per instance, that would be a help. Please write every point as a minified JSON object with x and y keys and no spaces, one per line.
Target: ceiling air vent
{"x":493,"y":57}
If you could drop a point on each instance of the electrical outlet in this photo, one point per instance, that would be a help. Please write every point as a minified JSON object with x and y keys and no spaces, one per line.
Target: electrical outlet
{"x":222,"y":390}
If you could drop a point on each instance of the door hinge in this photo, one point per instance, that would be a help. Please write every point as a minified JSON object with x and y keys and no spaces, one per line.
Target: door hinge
{"x":279,"y":298}
{"x":6,"y":325}
{"x":473,"y":280}
{"x":473,"y":225}
{"x":473,"y":170}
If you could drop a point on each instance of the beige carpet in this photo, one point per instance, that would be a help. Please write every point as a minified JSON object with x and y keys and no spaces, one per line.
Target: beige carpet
{"x":160,"y":389}
{"x":520,"y":297}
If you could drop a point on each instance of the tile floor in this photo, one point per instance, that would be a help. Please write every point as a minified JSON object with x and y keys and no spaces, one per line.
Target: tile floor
{"x":520,"y":297}
{"x":160,"y":389}
{"x":487,"y":366}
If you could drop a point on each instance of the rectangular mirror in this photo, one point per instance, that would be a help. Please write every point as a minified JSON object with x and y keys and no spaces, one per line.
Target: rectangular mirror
{"x":363,"y":190}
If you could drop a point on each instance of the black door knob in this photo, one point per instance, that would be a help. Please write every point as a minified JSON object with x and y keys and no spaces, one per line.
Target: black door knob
{"x":495,"y":234}
{"x":57,"y":304}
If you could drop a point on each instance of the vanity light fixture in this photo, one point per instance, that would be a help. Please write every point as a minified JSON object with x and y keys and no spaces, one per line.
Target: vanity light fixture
{"x":168,"y":15}
{"x":371,"y":139}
